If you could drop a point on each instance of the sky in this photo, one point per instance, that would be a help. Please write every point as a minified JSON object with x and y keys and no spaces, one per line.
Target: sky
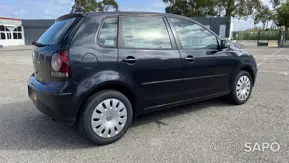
{"x":51,"y":9}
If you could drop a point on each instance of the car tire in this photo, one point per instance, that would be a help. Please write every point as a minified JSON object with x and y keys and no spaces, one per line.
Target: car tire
{"x":241,"y":88}
{"x":112,"y":111}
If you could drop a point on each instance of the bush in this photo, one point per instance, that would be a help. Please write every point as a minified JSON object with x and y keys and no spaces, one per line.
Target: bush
{"x":256,"y":35}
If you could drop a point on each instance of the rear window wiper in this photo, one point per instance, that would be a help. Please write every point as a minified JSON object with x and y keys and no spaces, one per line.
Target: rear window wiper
{"x":38,"y":44}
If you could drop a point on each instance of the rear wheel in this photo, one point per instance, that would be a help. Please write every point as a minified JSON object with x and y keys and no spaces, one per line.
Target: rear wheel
{"x":105,"y":117}
{"x":242,"y":88}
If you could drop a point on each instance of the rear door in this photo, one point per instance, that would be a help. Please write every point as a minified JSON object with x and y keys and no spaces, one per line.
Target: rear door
{"x":206,"y":67}
{"x":148,"y":54}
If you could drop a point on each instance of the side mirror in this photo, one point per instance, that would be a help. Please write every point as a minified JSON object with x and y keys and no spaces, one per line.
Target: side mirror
{"x":225,"y":44}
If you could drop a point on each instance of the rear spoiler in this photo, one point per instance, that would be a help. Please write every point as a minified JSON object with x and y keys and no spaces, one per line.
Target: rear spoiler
{"x":70,"y":16}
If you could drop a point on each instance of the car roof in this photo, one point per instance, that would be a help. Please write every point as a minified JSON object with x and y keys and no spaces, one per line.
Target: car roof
{"x":134,"y":13}
{"x":91,"y":14}
{"x":124,"y":13}
{"x":128,"y":13}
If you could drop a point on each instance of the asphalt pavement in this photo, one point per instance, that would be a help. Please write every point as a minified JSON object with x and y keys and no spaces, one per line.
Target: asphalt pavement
{"x":209,"y":131}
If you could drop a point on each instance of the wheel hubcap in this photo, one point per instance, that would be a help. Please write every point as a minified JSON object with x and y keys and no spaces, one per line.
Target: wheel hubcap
{"x":108,"y":118}
{"x":243,"y":88}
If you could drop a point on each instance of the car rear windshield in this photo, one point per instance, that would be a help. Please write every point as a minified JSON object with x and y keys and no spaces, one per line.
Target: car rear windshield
{"x":55,"y":32}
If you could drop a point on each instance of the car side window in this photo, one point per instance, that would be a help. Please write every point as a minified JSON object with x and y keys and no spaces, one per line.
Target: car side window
{"x":145,"y":32}
{"x":194,"y":36}
{"x":108,"y":33}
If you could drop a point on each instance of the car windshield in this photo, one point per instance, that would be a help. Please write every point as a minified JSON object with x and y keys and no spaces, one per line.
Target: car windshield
{"x":55,"y":32}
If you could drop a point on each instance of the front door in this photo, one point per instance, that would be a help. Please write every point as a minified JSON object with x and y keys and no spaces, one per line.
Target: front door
{"x":150,"y":58}
{"x":206,"y":68}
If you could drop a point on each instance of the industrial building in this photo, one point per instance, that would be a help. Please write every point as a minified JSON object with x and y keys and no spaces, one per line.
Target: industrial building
{"x":11,"y":32}
{"x":24,"y":32}
{"x":21,"y":32}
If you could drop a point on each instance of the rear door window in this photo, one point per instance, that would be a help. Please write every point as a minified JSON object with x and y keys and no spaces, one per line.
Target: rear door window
{"x":55,"y":32}
{"x":145,"y":32}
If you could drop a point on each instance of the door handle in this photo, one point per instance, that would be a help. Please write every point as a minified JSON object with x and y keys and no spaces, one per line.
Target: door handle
{"x":189,"y":58}
{"x":129,"y":59}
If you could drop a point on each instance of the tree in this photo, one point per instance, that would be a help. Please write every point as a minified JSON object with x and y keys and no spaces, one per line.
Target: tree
{"x":93,"y":5}
{"x":282,"y":15}
{"x":193,"y":8}
{"x":276,"y":3}
{"x":105,"y":5}
{"x":239,"y":8}
{"x":263,"y":15}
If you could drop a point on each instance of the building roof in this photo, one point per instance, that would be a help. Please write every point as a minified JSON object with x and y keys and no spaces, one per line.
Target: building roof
{"x":9,"y":18}
{"x":37,"y":22}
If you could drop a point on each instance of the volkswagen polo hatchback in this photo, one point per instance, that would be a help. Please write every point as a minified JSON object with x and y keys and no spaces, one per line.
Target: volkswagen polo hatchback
{"x":99,"y":70}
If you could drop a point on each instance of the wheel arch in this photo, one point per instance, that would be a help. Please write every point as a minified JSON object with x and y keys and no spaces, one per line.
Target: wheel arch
{"x":112,"y":85}
{"x":250,"y":71}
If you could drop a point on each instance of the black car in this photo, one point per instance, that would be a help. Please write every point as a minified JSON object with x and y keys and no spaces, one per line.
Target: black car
{"x":99,"y":70}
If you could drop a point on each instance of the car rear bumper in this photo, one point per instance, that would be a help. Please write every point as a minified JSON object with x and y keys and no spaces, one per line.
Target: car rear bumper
{"x":52,"y":100}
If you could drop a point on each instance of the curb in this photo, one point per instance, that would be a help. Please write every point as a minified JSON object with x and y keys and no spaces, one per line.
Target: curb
{"x":13,"y":49}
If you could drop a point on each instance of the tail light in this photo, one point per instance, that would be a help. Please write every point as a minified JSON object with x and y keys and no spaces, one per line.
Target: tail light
{"x":60,"y":67}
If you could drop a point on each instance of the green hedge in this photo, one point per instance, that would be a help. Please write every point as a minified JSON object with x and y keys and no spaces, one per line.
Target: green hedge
{"x":254,"y":35}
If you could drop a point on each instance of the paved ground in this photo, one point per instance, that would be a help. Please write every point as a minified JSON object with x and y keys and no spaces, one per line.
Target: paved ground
{"x":210,"y":131}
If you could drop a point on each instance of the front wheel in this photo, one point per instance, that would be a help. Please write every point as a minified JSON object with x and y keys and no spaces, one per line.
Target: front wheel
{"x":241,"y":88}
{"x":105,"y":117}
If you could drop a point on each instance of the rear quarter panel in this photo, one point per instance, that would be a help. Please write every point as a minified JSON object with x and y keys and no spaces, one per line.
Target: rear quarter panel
{"x":86,"y":57}
{"x":93,"y":66}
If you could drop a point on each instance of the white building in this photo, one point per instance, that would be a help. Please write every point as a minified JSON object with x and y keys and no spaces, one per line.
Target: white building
{"x":11,"y":32}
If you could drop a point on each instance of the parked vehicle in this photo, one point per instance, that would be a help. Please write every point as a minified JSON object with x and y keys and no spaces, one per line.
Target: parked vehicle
{"x":99,"y":70}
